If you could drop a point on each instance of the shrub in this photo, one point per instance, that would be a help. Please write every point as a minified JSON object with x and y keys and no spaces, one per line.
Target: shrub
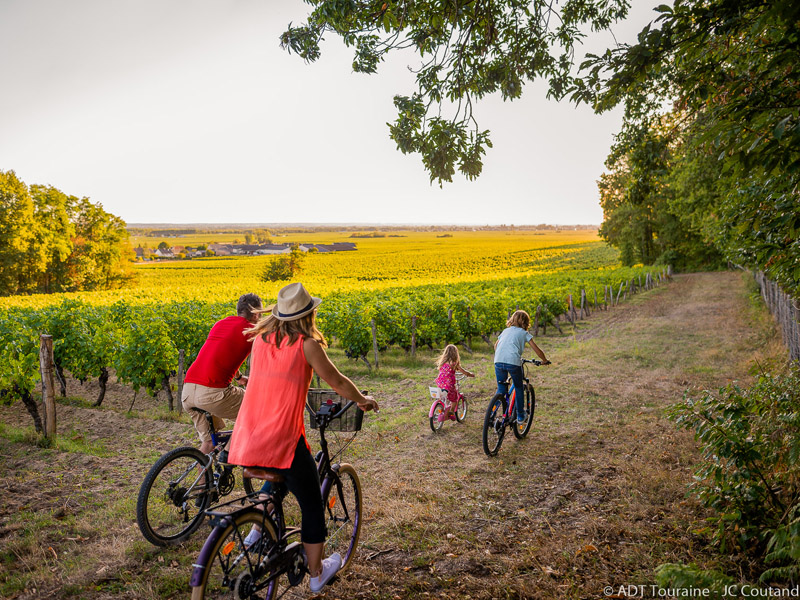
{"x":750,"y":473}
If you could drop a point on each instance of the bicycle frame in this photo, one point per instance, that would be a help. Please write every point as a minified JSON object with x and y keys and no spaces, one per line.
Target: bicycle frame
{"x":441,"y":394}
{"x":511,"y":394}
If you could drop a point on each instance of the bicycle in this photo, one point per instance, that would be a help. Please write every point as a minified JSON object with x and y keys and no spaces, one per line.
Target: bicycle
{"x":181,"y":485}
{"x":227,"y":568}
{"x":438,"y":406}
{"x":501,"y":413}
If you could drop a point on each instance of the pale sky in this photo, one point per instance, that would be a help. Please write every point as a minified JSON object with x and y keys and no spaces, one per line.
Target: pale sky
{"x":188,"y":111}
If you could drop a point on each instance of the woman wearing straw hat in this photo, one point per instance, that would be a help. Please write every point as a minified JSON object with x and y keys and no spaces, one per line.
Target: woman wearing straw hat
{"x":270,"y":429}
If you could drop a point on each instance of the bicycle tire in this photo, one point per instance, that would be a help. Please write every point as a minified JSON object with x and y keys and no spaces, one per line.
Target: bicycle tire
{"x":494,"y":428}
{"x":342,"y":501}
{"x":461,"y":411}
{"x":168,"y":512}
{"x":230,"y":562}
{"x":530,"y":407}
{"x":438,"y":410}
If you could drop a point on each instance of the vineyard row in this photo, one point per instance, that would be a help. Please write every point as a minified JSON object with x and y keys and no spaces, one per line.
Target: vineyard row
{"x":142,"y":343}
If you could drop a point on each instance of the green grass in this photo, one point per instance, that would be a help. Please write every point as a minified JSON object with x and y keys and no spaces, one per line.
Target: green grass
{"x":67,"y":441}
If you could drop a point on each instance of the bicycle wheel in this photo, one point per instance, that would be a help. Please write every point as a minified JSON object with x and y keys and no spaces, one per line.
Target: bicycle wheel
{"x":522,"y":429}
{"x":173,"y":496}
{"x":494,"y":427}
{"x":461,"y":412}
{"x":230,"y":569}
{"x":342,"y":501}
{"x":438,"y":410}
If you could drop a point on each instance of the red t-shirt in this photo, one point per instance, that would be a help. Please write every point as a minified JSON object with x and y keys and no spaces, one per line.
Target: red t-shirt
{"x":222,"y":354}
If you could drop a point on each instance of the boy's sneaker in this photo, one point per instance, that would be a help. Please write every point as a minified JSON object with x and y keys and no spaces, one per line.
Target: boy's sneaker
{"x":521,"y":417}
{"x":252,"y":537}
{"x":330,"y":566}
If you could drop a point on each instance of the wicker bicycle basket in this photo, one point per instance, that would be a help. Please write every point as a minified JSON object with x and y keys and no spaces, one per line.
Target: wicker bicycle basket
{"x":349,"y":421}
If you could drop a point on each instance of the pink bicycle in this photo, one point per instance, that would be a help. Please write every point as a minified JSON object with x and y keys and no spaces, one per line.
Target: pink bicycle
{"x":438,"y":407}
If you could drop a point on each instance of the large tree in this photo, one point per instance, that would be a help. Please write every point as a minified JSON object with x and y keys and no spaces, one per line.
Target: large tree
{"x":731,"y":71}
{"x":16,"y":230}
{"x":51,"y":242}
{"x":467,"y":49}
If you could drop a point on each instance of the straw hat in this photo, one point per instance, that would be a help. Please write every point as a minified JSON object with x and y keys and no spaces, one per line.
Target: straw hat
{"x":294,"y":302}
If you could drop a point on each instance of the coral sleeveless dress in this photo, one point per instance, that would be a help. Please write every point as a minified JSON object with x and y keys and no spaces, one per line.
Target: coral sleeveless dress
{"x":270,"y":422}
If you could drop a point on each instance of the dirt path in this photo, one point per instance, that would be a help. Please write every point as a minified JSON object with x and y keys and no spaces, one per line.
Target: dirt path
{"x":594,"y":496}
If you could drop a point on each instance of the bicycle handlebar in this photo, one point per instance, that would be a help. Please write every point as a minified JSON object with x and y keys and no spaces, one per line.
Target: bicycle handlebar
{"x":538,"y":363}
{"x":326,"y":415}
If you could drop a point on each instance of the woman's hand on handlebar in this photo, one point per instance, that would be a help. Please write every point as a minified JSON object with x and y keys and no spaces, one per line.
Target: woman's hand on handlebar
{"x":367,"y":404}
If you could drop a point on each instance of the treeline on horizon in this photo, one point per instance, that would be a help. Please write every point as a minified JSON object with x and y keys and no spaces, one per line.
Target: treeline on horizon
{"x":51,"y":242}
{"x":171,"y":230}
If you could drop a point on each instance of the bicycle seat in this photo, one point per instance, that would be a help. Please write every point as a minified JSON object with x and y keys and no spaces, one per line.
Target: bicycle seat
{"x":265,"y":474}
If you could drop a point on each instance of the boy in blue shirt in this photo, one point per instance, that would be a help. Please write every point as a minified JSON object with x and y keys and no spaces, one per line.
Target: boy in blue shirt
{"x":508,"y":351}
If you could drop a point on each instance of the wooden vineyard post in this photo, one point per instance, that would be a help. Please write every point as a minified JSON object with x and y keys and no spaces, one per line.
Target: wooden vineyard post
{"x":595,"y":298}
{"x":374,"y":341}
{"x":449,"y":324}
{"x":48,"y":385}
{"x":570,"y":310}
{"x":469,"y":326}
{"x":621,"y":285}
{"x":413,"y":335}
{"x":181,"y":363}
{"x":536,"y":320}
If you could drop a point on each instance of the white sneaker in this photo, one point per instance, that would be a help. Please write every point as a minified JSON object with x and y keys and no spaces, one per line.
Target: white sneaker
{"x":330,"y":566}
{"x":252,"y":537}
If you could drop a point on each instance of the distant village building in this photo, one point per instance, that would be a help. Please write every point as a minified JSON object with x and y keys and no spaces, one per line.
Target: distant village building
{"x":264,"y":249}
{"x":143,"y":253}
{"x":241,"y":250}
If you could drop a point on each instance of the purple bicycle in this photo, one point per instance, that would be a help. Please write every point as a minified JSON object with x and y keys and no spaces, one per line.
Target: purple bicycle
{"x":230,"y":568}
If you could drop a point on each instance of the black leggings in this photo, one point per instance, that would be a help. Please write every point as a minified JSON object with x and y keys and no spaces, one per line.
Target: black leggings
{"x":303,"y":481}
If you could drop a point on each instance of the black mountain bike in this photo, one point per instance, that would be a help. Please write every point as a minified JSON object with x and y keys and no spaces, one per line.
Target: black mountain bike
{"x":181,"y":485}
{"x":501,"y":412}
{"x":271,"y":567}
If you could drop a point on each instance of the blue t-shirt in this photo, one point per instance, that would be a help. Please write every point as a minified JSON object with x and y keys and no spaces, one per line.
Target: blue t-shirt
{"x":510,"y":345}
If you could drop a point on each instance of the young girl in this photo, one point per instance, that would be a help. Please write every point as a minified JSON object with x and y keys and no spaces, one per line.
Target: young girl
{"x":508,"y":351}
{"x":270,"y":429}
{"x":450,"y":362}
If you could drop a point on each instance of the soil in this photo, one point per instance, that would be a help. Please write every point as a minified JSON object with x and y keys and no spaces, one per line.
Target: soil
{"x":595,"y":496}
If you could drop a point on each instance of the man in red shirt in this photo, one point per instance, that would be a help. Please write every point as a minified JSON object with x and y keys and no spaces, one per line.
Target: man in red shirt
{"x":208,"y":383}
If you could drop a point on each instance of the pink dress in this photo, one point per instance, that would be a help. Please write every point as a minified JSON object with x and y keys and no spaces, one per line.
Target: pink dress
{"x":447,"y":381}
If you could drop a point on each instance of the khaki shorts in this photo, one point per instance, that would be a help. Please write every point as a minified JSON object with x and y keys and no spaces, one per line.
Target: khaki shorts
{"x":222,"y":403}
